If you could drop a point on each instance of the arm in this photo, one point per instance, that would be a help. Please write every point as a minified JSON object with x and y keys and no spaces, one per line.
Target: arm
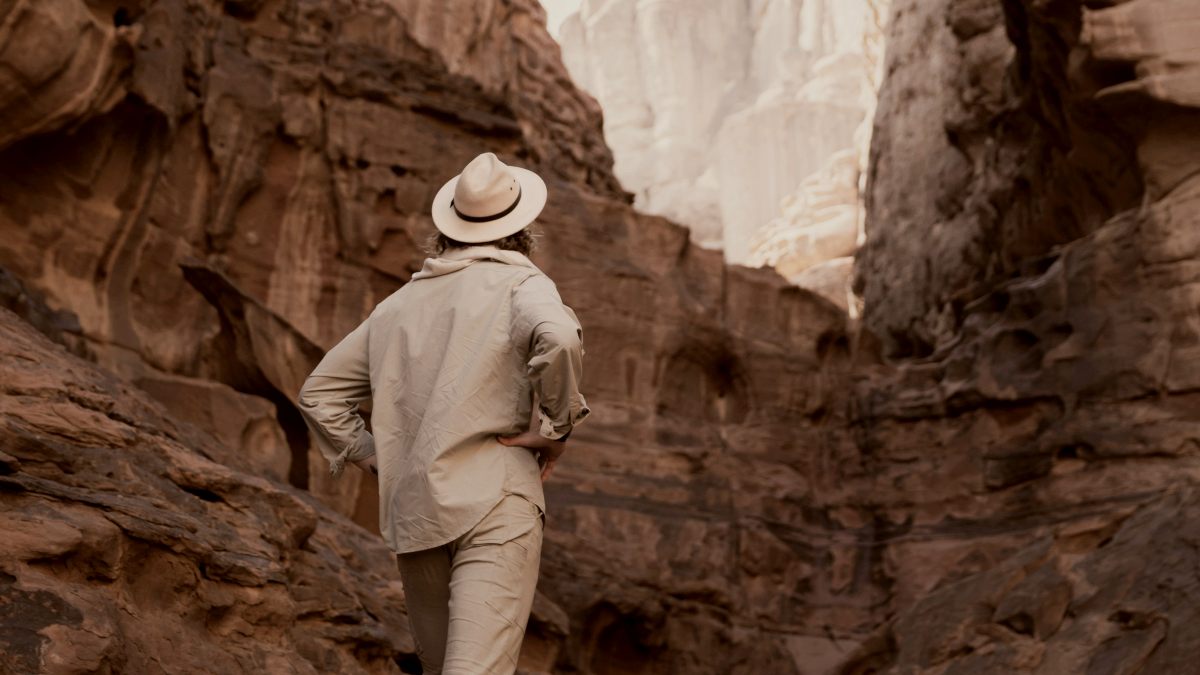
{"x":546,"y":450}
{"x":555,"y":367}
{"x":329,"y":402}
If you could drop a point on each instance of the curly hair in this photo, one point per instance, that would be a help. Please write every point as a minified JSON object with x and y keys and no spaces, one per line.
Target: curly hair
{"x":523,"y":242}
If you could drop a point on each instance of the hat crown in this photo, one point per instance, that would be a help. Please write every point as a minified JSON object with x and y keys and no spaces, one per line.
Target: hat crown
{"x":485,"y":187}
{"x":487,"y":201}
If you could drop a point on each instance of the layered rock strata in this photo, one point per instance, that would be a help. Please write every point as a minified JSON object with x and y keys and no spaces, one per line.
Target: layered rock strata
{"x":758,"y":490}
{"x":131,"y":545}
{"x":1043,"y":271}
{"x":261,"y":178}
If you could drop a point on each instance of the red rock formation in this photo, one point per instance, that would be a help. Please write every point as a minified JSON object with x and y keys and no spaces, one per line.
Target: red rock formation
{"x":262,"y":179}
{"x":230,"y":187}
{"x":1047,"y":270}
{"x":130,"y":546}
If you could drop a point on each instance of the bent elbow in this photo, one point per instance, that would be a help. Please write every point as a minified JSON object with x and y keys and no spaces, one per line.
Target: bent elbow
{"x":562,"y":338}
{"x":308,"y":400}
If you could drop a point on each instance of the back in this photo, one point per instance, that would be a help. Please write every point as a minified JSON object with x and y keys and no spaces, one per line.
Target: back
{"x":449,"y":361}
{"x":445,"y":365}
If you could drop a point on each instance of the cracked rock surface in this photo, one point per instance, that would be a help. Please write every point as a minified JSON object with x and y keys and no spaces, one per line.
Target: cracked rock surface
{"x":995,"y":471}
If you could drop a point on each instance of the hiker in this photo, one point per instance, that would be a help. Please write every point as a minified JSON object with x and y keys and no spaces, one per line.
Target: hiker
{"x":473,"y":371}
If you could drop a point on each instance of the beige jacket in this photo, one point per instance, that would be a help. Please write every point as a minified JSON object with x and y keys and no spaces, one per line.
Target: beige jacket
{"x":449,"y":361}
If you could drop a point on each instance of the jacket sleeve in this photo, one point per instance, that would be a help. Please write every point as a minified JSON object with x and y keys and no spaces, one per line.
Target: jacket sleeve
{"x":555,"y":367}
{"x":329,"y":401}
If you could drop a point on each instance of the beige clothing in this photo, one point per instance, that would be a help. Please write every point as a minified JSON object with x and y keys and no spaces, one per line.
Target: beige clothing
{"x":468,"y":601}
{"x":449,"y":361}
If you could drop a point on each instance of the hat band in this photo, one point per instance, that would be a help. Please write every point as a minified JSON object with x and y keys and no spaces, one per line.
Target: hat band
{"x":484,"y":219}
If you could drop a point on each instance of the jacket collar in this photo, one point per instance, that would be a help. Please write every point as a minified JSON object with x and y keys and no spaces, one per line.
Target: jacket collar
{"x":459,"y":258}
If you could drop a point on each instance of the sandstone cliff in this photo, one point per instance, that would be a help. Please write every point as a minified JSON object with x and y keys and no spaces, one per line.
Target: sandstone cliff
{"x":1041,"y":270}
{"x":218,"y":191}
{"x":129,"y":547}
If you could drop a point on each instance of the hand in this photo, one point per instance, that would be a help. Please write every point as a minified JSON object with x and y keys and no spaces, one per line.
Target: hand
{"x":547,"y":451}
{"x":369,"y":465}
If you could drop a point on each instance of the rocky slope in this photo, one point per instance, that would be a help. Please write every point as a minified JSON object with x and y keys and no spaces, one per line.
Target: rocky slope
{"x":758,"y":490}
{"x":130,"y":546}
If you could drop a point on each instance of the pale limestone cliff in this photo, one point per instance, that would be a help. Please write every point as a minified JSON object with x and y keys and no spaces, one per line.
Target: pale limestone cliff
{"x":717,"y":112}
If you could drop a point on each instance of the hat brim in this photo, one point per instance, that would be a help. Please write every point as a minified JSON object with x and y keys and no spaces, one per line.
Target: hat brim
{"x":533,"y":200}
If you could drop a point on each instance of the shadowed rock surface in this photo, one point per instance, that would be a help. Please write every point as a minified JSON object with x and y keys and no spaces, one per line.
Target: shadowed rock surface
{"x":1043,"y":273}
{"x":759,"y":490}
{"x":263,"y":180}
{"x":1117,"y":594}
{"x":127,"y":548}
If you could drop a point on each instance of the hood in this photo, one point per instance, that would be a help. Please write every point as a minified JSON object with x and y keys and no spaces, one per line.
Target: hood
{"x":460,"y":258}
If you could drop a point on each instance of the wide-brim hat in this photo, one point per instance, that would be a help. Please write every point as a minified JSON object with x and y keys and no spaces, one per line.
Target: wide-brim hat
{"x":489,"y":200}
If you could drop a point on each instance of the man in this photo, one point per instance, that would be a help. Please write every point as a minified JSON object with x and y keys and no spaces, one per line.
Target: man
{"x":453,"y":363}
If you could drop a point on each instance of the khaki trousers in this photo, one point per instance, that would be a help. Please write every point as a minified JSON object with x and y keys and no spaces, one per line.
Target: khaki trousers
{"x":469,"y":600}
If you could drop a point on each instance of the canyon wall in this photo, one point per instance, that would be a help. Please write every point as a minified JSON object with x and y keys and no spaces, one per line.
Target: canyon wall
{"x":1032,"y":251}
{"x":199,"y":197}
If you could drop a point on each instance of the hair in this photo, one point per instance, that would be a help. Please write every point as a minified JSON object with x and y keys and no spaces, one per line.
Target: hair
{"x":523,"y":242}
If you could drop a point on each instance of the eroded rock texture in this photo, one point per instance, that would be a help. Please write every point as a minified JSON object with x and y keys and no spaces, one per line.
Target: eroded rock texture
{"x":1114,"y":595}
{"x":1043,"y":273}
{"x":230,"y":187}
{"x":132,"y":546}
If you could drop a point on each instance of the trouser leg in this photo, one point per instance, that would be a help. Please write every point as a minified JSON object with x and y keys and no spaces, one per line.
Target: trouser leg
{"x":426,"y":579}
{"x":493,"y":577}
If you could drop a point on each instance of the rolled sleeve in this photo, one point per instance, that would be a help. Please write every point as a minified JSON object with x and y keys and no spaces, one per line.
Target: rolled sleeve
{"x":555,"y":366}
{"x":329,"y":401}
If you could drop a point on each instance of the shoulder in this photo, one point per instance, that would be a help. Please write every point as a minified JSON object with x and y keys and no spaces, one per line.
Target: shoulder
{"x":535,"y":282}
{"x":392,"y":302}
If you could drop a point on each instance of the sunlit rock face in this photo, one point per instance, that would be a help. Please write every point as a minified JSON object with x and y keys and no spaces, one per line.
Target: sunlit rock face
{"x":216,"y":193}
{"x":723,"y":116}
{"x":813,"y":240}
{"x":996,"y":476}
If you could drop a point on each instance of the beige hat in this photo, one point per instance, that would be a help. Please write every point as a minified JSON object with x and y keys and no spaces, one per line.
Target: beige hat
{"x":489,"y":200}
